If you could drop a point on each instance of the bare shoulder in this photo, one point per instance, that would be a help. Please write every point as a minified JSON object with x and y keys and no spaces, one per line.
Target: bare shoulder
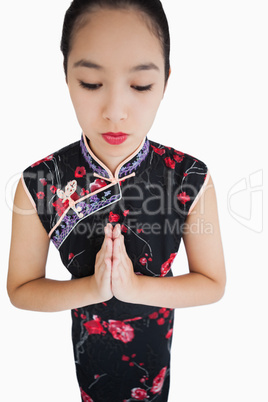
{"x":22,"y":204}
{"x":25,"y":217}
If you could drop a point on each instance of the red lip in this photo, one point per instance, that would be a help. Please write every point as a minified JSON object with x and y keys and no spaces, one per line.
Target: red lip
{"x":115,"y":138}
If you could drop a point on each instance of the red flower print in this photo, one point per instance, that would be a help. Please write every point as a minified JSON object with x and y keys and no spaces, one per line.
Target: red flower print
{"x":40,"y":195}
{"x":140,"y":231}
{"x":159,"y":151}
{"x":159,"y":381}
{"x":94,"y":327}
{"x":125,"y":358}
{"x":185,"y":174}
{"x":161,"y":321}
{"x":166,"y":314}
{"x":170,"y":163}
{"x":75,"y":196}
{"x":121,"y":331}
{"x":143,"y":261}
{"x":53,"y":189}
{"x":153,"y":316}
{"x":85,"y":397}
{"x":48,"y":158}
{"x":125,"y":213}
{"x":178,"y":158}
{"x":43,"y":181}
{"x":98,"y":183}
{"x":71,"y":255}
{"x":169,"y":334}
{"x":180,"y":154}
{"x":139,"y":394}
{"x":60,"y":206}
{"x":124,"y":229}
{"x":113,"y":217}
{"x":165,"y":268}
{"x":80,"y":171}
{"x":172,"y":256}
{"x":183,"y":198}
{"x":84,"y":192}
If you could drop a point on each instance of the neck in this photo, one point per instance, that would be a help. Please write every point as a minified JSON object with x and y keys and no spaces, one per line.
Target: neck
{"x":110,"y":161}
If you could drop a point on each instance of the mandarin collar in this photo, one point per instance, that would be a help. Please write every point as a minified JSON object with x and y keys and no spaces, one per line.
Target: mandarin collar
{"x":125,"y":169}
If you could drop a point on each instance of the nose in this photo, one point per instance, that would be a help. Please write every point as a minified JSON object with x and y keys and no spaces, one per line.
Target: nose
{"x":115,"y":109}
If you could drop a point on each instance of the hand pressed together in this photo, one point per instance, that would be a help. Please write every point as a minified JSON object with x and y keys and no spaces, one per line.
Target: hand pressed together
{"x":114,"y":274}
{"x":103,"y":267}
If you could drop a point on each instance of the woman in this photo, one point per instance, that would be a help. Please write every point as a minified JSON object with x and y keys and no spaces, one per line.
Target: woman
{"x":116,"y":206}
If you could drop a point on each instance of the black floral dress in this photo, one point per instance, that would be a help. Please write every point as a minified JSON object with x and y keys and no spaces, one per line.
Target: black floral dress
{"x":121,"y":350}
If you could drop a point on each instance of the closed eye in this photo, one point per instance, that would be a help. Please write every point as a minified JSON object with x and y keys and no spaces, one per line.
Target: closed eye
{"x":94,"y":87}
{"x":91,"y":87}
{"x":143,"y":88}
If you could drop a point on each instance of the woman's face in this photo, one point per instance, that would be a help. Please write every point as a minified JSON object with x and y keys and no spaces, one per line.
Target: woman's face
{"x":116,"y":80}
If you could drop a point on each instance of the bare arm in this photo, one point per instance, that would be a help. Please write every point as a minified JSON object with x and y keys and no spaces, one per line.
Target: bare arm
{"x":27,"y":286}
{"x":205,"y":282}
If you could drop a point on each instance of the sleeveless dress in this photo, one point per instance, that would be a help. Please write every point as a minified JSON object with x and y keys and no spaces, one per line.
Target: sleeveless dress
{"x":121,"y":350}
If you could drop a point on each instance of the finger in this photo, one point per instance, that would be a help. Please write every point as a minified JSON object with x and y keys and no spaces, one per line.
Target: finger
{"x":123,"y":246}
{"x":108,"y":248}
{"x":124,"y":255}
{"x":122,"y":241}
{"x":117,"y":231}
{"x":116,"y":250}
{"x":108,"y":230}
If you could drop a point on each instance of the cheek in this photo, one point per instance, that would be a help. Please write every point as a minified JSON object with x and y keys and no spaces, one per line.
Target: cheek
{"x":85,"y":109}
{"x":149,"y":108}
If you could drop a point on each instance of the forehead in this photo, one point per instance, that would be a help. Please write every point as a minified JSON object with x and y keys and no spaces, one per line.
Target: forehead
{"x":116,"y":35}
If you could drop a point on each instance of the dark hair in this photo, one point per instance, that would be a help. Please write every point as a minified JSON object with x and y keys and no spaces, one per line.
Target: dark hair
{"x":151,"y":8}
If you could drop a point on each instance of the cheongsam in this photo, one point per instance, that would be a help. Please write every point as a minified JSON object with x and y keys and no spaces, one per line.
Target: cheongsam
{"x":121,"y":350}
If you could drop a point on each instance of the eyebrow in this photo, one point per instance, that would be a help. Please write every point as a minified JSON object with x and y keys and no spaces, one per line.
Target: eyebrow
{"x":139,"y":67}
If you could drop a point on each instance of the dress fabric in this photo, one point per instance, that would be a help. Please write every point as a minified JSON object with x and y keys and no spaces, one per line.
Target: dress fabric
{"x":121,"y":350}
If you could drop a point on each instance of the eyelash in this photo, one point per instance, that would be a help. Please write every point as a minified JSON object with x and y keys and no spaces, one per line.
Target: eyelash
{"x":143,"y":89}
{"x":94,"y":87}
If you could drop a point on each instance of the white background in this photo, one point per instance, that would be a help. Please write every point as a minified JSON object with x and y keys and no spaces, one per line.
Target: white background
{"x":215,"y":108}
